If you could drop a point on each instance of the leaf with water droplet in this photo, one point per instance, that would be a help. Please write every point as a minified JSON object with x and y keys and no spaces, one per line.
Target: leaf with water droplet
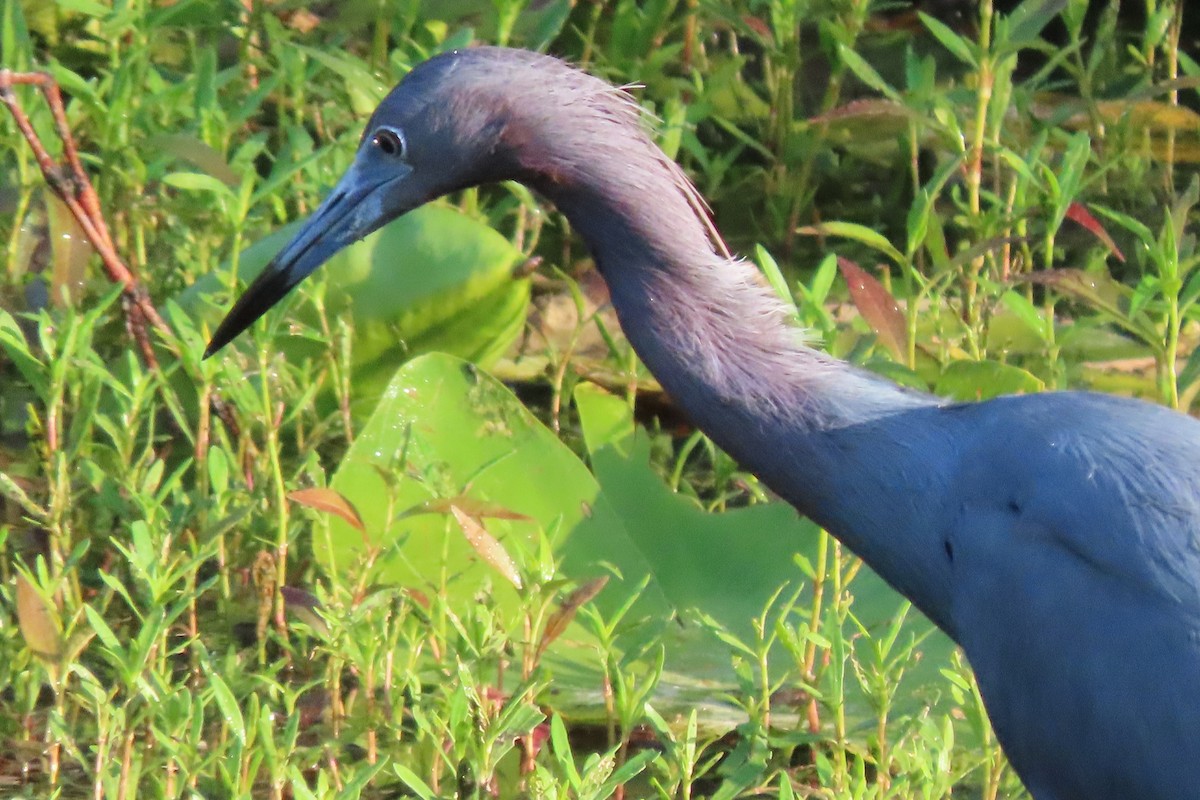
{"x":71,"y":251}
{"x":227,"y":703}
{"x":487,"y":546}
{"x":877,"y":306}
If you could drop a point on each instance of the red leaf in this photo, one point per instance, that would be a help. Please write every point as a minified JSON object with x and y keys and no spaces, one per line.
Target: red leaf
{"x":329,"y":501}
{"x":877,"y":306}
{"x":1079,"y":213}
{"x":561,"y":618}
{"x":476,"y":508}
{"x":534,"y":740}
{"x":419,"y":597}
{"x":759,"y":27}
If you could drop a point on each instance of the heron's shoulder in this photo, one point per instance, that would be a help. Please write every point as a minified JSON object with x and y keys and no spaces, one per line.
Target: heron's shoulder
{"x":1070,"y":439}
{"x":1110,"y":420}
{"x":1115,"y":481}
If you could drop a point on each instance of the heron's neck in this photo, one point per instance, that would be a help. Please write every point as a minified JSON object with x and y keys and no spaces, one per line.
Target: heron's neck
{"x":708,"y":327}
{"x":831,"y":439}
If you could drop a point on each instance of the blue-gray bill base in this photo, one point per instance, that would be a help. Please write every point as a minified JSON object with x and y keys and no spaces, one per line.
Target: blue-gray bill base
{"x":1055,"y":537}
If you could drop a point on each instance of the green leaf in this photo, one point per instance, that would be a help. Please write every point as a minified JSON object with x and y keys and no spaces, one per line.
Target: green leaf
{"x":444,"y":428}
{"x":12,"y":339}
{"x":627,"y":771}
{"x":89,"y":8}
{"x":15,"y":43}
{"x":822,"y":280}
{"x":413,"y":782}
{"x":1069,"y":175}
{"x":770,"y":270}
{"x":231,"y":710}
{"x":1024,"y":310}
{"x":197,"y":182}
{"x":981,"y":380}
{"x":364,"y":87}
{"x":962,"y":49}
{"x":918,"y":221}
{"x":539,"y":23}
{"x":866,"y":73}
{"x":561,"y":745}
{"x":1027,"y":21}
{"x":103,"y":632}
{"x":859,"y":233}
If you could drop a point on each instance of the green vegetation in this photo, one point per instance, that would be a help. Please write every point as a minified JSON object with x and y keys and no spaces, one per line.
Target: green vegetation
{"x":338,"y":560}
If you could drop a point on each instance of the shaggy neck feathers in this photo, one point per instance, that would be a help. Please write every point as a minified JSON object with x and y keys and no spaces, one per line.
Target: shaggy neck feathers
{"x":707,"y":326}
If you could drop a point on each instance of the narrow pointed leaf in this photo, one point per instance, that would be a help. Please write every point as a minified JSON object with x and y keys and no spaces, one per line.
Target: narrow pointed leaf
{"x":1029,"y":18}
{"x":565,"y":613}
{"x":227,"y":704}
{"x":859,"y":233}
{"x":962,"y":49}
{"x":1077,"y":212}
{"x":413,"y":782}
{"x":330,"y":501}
{"x":470,"y":505}
{"x":487,"y":546}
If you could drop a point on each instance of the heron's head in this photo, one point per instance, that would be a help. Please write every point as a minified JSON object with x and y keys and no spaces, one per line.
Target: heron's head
{"x":448,"y":125}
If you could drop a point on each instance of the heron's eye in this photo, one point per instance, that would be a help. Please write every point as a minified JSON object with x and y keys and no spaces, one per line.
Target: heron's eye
{"x":389,"y":141}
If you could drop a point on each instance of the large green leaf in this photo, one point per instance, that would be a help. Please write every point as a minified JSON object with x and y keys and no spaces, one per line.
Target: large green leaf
{"x":445,"y":430}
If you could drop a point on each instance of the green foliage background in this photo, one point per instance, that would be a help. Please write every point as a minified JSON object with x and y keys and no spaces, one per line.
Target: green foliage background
{"x":986,"y":201}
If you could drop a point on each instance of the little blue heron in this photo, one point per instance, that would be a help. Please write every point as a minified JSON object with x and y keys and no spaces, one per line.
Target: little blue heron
{"x":1055,"y":537}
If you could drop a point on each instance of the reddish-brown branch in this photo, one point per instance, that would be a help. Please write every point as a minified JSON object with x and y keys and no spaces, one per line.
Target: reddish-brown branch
{"x":71,"y":184}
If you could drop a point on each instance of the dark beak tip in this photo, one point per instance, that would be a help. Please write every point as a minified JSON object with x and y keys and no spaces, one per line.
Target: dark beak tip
{"x":264,"y":292}
{"x":223,"y":335}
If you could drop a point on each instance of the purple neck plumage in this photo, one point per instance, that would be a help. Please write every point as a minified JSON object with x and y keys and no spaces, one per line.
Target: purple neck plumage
{"x":827,"y":437}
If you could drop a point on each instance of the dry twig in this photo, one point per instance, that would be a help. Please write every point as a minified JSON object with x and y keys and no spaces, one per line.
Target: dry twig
{"x":72,"y":185}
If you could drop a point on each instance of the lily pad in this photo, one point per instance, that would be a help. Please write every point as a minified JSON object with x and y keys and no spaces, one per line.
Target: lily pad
{"x":445,"y":433}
